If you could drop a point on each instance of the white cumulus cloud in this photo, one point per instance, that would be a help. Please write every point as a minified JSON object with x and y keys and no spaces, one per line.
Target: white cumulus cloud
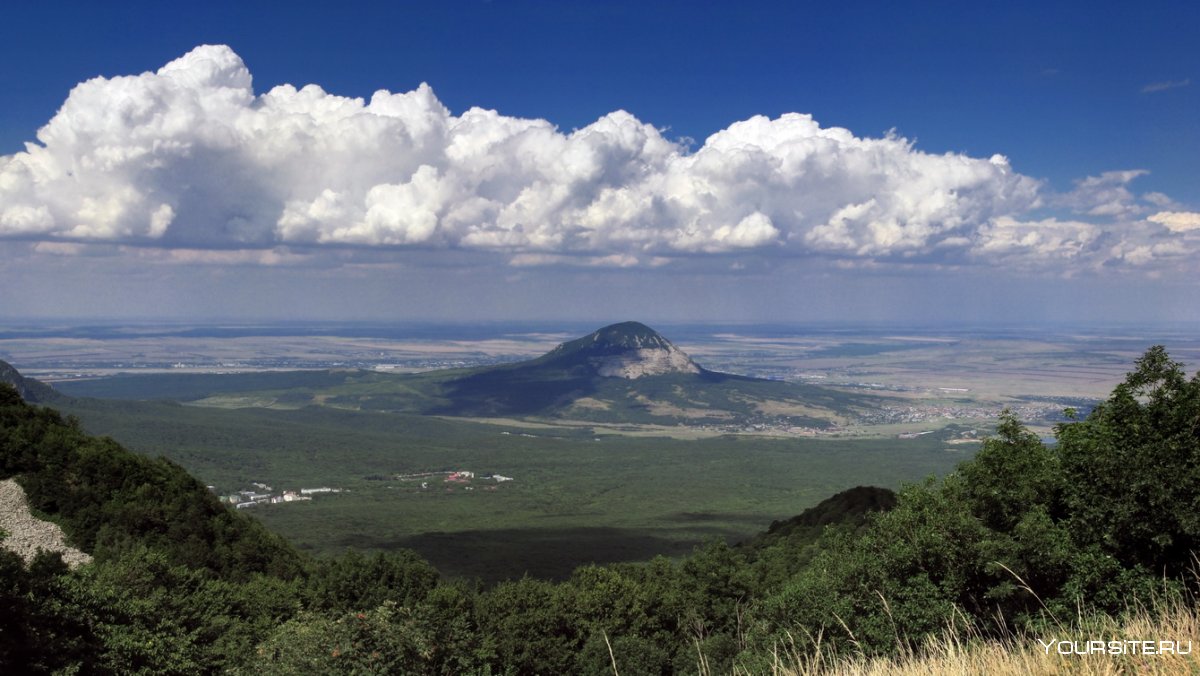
{"x":1108,"y":195}
{"x":1176,"y":221}
{"x":1048,"y":239}
{"x":190,"y":158}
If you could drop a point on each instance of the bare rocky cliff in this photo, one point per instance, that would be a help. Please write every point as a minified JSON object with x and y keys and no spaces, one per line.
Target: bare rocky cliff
{"x":26,"y":534}
{"x":654,"y":361}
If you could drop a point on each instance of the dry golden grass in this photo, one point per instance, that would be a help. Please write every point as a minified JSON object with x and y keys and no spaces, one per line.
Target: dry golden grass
{"x":955,"y":653}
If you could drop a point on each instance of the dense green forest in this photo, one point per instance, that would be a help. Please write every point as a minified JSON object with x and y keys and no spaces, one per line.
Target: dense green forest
{"x":1023,"y":536}
{"x":578,"y":496}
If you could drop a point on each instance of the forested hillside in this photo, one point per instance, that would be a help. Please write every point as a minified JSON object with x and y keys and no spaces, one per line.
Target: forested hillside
{"x":1025,"y":537}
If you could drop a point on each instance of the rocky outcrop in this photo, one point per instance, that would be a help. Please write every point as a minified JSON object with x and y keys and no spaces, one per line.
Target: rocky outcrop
{"x":26,"y":534}
{"x":32,"y":391}
{"x":626,"y":350}
{"x":645,"y":362}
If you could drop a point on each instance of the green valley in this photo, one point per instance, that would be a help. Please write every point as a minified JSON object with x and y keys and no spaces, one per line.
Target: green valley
{"x":610,"y":447}
{"x":577,"y":496}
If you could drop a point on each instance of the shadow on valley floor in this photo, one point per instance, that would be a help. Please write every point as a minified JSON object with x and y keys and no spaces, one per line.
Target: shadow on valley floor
{"x":754,"y":520}
{"x":547,"y":553}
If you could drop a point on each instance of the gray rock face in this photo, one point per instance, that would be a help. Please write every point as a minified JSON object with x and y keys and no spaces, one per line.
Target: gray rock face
{"x":27,"y":535}
{"x":653,"y":361}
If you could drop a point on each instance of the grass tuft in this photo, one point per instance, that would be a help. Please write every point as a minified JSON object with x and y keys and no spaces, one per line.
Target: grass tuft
{"x":963,"y":651}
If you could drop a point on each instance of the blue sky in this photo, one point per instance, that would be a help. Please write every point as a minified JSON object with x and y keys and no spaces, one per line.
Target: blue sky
{"x":1092,"y":106}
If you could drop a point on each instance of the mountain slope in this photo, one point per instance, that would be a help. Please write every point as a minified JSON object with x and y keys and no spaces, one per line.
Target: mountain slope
{"x":30,"y":390}
{"x":629,"y":372}
{"x":572,"y":371}
{"x":109,"y":500}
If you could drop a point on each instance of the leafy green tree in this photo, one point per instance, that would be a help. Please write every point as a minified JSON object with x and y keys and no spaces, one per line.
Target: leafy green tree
{"x":1014,"y":487}
{"x":717,"y":586}
{"x":789,"y":545}
{"x":38,"y":632}
{"x":1013,"y":473}
{"x":531,"y":626}
{"x":154,"y":617}
{"x":354,"y":581}
{"x":908,"y":574}
{"x":449,"y":617}
{"x":634,"y":609}
{"x":1133,"y":468}
{"x":385,"y":640}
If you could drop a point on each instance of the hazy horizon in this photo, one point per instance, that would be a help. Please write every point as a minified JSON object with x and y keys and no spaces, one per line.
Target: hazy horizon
{"x":220,"y":324}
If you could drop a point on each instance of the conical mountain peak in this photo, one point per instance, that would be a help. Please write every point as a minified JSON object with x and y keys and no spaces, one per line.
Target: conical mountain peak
{"x":627,"y":350}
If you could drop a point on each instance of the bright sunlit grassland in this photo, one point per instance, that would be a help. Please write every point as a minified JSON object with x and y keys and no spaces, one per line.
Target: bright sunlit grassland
{"x":958,"y":652}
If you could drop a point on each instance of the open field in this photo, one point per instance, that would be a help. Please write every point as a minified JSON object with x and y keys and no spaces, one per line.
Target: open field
{"x":51,"y":353}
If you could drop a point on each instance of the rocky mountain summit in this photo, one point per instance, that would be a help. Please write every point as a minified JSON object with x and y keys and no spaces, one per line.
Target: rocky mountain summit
{"x":627,"y":350}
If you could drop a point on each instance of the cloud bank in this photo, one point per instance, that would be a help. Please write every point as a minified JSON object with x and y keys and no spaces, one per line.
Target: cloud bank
{"x":189,"y":158}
